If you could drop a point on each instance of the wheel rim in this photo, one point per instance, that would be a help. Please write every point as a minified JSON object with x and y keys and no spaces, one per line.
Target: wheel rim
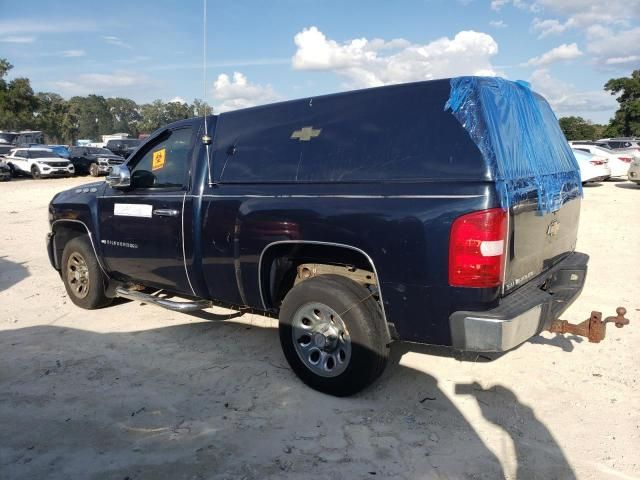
{"x":78,"y":275}
{"x":321,"y":339}
{"x":35,"y":172}
{"x":93,"y":169}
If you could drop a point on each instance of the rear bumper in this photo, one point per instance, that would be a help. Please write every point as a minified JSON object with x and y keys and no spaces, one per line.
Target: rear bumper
{"x":523,"y":313}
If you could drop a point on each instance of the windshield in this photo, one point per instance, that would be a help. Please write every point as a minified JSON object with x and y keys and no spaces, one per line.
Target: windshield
{"x":42,"y":154}
{"x":127,"y":142}
{"x":7,"y":137}
{"x":581,"y":155}
{"x":101,"y":151}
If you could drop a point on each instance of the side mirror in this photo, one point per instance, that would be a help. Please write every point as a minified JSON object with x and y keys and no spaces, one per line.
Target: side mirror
{"x":119,"y":177}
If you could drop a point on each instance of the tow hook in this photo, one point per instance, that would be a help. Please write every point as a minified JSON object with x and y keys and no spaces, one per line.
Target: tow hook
{"x":594,"y":328}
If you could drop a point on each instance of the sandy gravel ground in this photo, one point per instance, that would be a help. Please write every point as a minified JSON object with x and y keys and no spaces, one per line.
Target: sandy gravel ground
{"x":136,"y":392}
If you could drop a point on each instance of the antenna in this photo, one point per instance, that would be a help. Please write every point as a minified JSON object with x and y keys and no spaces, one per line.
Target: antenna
{"x":206,"y":139}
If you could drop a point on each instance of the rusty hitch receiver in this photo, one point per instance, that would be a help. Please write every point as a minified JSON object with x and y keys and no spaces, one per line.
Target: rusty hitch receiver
{"x":594,"y":328}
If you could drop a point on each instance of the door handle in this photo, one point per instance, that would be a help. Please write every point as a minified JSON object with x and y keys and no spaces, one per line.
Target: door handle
{"x":166,"y":212}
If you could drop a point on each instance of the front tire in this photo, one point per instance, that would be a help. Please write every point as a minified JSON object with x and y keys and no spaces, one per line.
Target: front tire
{"x":333,"y":334}
{"x":82,"y":276}
{"x":35,"y":173}
{"x":93,"y":170}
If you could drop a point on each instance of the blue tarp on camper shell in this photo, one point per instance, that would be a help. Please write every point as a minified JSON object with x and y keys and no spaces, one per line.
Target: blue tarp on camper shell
{"x":520,"y":139}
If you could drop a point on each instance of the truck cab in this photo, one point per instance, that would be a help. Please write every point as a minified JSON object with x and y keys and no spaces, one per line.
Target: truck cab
{"x":356,"y":218}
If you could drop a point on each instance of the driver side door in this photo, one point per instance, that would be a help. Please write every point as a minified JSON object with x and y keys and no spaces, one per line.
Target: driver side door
{"x":142,"y":227}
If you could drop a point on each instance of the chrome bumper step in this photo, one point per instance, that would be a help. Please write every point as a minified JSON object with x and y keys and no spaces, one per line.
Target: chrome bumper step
{"x":184,"y":307}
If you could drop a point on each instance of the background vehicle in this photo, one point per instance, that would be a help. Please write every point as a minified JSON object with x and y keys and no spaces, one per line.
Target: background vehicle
{"x":621,"y":142}
{"x":61,"y":150}
{"x":627,"y":148}
{"x":304,"y":210}
{"x":93,"y":160}
{"x":123,"y":147}
{"x":618,"y":162}
{"x":634,"y":171}
{"x":39,"y":162}
{"x":593,"y":168}
{"x":5,"y":171}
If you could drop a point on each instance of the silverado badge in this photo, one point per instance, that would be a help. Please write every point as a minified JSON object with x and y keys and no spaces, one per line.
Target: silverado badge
{"x":553,"y":228}
{"x":306,"y":133}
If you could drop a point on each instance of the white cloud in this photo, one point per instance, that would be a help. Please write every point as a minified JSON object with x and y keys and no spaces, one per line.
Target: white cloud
{"x":238,"y":92}
{"x":550,"y":26}
{"x":369,"y":63}
{"x":72,"y":53}
{"x":35,"y":26}
{"x":584,"y":13}
{"x":630,"y":59}
{"x":18,"y":39}
{"x":521,"y":4}
{"x":497,"y":23}
{"x":117,"y":41}
{"x":610,"y":28}
{"x":566,"y":100}
{"x":561,"y":53}
{"x":102,"y":83}
{"x":178,"y":99}
{"x":609,"y":48}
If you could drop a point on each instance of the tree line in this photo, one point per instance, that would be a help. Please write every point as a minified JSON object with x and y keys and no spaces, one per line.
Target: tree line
{"x":626,"y":121}
{"x":65,"y":121}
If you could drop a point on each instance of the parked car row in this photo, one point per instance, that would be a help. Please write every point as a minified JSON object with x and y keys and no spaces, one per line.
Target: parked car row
{"x":40,"y":161}
{"x":609,"y":157}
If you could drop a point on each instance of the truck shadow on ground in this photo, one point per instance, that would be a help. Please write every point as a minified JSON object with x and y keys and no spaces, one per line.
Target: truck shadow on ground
{"x":11,"y":273}
{"x":215,"y":399}
{"x":628,"y":186}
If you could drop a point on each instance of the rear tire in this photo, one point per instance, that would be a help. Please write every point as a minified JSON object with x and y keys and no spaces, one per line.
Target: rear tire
{"x":82,"y":275}
{"x":333,"y":334}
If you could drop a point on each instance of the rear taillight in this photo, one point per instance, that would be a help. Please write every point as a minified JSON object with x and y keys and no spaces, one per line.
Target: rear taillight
{"x":476,"y":249}
{"x":626,"y":159}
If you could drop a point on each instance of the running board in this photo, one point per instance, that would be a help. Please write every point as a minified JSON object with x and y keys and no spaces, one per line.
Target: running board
{"x":184,"y":307}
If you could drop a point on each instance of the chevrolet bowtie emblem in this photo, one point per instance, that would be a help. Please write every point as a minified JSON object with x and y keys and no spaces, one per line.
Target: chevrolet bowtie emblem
{"x":306,"y":133}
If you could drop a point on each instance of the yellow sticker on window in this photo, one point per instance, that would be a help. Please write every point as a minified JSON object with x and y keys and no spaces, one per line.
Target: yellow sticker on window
{"x":158,"y":159}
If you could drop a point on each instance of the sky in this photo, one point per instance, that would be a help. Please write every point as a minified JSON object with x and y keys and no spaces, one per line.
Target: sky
{"x":264,"y":51}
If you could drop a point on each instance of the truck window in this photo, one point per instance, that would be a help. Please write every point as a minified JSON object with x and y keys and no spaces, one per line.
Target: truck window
{"x":165,"y":163}
{"x":395,"y":134}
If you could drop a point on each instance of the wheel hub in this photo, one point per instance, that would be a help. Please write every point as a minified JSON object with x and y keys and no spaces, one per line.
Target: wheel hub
{"x":78,"y":275}
{"x":321,"y":339}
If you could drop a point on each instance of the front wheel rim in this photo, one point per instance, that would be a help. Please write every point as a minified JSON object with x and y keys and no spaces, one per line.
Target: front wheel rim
{"x":321,"y":339}
{"x":78,"y":275}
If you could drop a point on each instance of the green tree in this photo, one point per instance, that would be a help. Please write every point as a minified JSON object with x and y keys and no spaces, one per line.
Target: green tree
{"x":126,"y":115}
{"x":200,"y":108}
{"x":627,"y":118}
{"x":158,"y":114}
{"x":577,"y":128}
{"x":153,"y":116}
{"x":93,"y":115}
{"x":17,"y":101}
{"x":50,"y":115}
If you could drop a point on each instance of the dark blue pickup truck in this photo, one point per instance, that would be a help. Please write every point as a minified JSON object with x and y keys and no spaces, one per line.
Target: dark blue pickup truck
{"x":441,"y":212}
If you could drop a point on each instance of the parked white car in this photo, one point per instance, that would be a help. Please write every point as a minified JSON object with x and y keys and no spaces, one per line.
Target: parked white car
{"x":619,"y":163}
{"x":634,"y":171}
{"x":39,"y":163}
{"x":592,"y":167}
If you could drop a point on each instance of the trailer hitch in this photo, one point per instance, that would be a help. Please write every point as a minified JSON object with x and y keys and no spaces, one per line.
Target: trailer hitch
{"x":594,"y":328}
